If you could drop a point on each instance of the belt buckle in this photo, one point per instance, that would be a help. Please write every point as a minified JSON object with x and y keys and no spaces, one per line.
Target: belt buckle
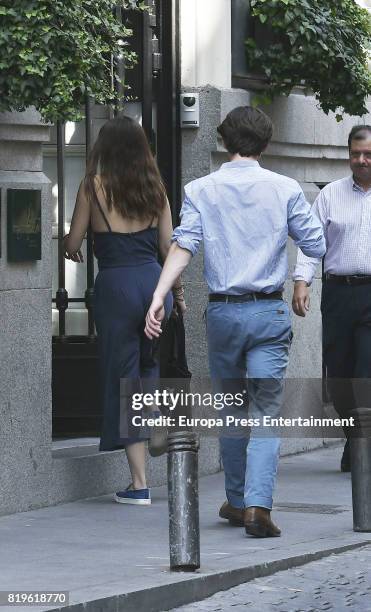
{"x":348,"y":280}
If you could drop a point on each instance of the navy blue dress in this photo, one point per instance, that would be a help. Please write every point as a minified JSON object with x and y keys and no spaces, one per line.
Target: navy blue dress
{"x":127,"y":277}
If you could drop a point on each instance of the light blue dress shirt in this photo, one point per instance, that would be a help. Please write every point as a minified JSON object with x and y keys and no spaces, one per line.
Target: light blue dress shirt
{"x":244,"y":214}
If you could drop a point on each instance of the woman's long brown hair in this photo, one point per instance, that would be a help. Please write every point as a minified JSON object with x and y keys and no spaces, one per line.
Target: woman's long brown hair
{"x":129,"y":174}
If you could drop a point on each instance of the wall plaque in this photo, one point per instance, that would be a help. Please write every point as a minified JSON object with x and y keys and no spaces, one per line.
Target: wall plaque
{"x":24,"y":224}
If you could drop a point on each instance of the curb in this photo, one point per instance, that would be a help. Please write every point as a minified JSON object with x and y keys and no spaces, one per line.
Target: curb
{"x":200,"y":586}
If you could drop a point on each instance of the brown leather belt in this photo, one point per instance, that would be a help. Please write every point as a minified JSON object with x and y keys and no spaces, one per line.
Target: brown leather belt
{"x":245,"y":297}
{"x":354,"y":279}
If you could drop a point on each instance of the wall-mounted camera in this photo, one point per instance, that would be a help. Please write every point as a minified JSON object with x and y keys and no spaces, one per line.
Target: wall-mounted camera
{"x":189,"y":110}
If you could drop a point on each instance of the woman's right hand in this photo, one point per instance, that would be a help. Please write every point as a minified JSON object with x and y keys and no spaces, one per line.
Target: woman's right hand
{"x":154,"y":318}
{"x":76,"y":257}
{"x":178,"y":299}
{"x":180,"y":306}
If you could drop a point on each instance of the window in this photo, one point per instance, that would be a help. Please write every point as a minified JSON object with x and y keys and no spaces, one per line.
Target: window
{"x":243,"y":27}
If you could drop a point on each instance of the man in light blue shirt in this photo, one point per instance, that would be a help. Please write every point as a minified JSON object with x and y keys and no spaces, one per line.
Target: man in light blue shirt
{"x":244,"y":215}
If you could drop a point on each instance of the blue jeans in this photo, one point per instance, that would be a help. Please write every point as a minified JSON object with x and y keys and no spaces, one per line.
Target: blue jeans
{"x":250,"y":340}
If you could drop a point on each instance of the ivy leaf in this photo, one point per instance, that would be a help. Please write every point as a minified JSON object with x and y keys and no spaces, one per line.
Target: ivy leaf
{"x":52,"y":52}
{"x":319,"y":44}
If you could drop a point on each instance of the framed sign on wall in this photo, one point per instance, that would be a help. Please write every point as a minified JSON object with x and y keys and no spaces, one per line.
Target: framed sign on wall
{"x":24,"y":224}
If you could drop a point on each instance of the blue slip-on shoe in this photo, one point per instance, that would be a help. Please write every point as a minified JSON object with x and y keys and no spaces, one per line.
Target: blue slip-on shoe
{"x":140,"y":497}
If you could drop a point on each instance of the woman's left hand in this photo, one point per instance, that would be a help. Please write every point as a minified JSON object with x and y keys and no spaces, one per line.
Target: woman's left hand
{"x":77,"y":257}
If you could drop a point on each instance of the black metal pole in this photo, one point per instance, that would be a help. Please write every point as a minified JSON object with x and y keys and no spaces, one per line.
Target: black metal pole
{"x":89,"y":104}
{"x":61,"y":294}
{"x":111,"y":107}
{"x":184,"y":527}
{"x":168,"y":111}
{"x":89,"y":293}
{"x":147,"y":91}
{"x":177,"y":140}
{"x":119,"y":67}
{"x":360,"y":457}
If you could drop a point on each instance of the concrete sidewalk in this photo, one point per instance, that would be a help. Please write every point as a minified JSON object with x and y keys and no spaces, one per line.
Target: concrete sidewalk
{"x":115,"y":557}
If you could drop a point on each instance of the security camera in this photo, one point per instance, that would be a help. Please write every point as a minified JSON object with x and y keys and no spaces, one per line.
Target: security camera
{"x":189,"y":101}
{"x":190,"y":110}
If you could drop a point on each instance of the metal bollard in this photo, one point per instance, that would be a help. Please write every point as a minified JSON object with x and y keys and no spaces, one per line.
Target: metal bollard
{"x":360,"y":457}
{"x":184,"y":527}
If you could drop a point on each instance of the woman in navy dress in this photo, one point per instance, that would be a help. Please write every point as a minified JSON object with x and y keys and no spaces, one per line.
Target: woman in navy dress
{"x":127,"y":207}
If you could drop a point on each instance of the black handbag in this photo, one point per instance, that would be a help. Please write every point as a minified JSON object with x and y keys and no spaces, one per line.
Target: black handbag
{"x":174,"y":370}
{"x":173,"y":360}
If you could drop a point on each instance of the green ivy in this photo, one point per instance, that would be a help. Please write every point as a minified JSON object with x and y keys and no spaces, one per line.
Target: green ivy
{"x":55,"y":52}
{"x":321,"y":44}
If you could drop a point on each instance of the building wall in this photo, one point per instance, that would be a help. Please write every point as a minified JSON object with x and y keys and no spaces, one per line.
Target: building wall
{"x":307,"y":145}
{"x":205,"y":36}
{"x":25,"y":315}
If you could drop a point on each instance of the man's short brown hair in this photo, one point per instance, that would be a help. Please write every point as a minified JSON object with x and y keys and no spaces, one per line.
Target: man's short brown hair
{"x":246,"y":130}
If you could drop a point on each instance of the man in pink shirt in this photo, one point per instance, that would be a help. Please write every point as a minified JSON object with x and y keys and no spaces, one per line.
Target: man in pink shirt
{"x":344,"y":210}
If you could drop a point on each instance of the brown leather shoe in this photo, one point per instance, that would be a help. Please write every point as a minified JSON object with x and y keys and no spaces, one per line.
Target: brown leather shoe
{"x":258,"y":523}
{"x":233,"y":515}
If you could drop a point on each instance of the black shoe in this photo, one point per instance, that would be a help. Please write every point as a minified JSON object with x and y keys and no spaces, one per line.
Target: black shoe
{"x":345,"y":460}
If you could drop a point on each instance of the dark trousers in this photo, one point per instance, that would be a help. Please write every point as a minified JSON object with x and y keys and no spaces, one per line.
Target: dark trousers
{"x":346,"y":320}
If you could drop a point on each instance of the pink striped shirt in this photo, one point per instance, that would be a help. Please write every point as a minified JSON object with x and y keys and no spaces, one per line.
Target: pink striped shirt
{"x":344,"y":210}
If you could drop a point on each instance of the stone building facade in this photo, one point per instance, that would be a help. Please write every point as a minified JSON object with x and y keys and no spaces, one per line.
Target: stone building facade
{"x":309,"y":146}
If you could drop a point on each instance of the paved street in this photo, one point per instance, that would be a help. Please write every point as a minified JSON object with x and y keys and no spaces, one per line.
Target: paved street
{"x":339,"y":582}
{"x":312,"y":507}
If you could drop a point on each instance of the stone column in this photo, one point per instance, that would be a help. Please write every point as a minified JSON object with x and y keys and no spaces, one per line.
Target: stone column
{"x":25,"y":326}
